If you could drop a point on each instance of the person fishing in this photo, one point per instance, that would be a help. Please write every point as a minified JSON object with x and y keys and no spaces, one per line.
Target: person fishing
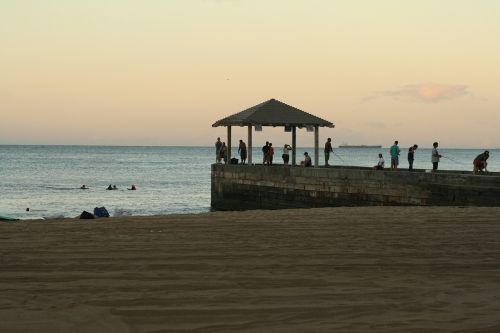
{"x":435,"y":157}
{"x":394,"y":156}
{"x":480,"y":163}
{"x":411,"y":156}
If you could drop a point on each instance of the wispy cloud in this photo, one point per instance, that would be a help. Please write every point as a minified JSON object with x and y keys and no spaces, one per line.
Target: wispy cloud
{"x":424,"y":92}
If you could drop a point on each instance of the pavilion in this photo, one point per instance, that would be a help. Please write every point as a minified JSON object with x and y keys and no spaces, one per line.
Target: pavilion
{"x":274,"y":113}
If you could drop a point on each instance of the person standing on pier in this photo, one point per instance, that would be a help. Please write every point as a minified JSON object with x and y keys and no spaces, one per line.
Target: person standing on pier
{"x":286,"y":153}
{"x":328,"y":150}
{"x":270,"y":153}
{"x":223,"y":152}
{"x":242,"y":150}
{"x":411,"y":156}
{"x":218,"y":146}
{"x":265,"y":153}
{"x":395,"y":156}
{"x":435,"y":157}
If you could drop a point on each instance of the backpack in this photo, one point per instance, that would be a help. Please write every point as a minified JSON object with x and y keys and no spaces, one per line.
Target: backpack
{"x":101,"y":212}
{"x":86,"y":215}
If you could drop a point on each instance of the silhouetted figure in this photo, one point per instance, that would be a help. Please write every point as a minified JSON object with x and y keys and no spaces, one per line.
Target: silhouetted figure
{"x":411,"y":156}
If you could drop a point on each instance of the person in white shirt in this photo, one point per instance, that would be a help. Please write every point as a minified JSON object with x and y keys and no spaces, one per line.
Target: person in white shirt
{"x":435,"y":157}
{"x":286,"y":154}
{"x":380,"y":164}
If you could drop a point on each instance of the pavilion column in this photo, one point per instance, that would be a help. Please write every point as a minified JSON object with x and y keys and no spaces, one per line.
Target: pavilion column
{"x":316,"y":146}
{"x":229,"y":144}
{"x":294,"y":144}
{"x":249,"y":146}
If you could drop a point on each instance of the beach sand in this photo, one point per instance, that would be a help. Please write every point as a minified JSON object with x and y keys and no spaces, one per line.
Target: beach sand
{"x":371,"y":269}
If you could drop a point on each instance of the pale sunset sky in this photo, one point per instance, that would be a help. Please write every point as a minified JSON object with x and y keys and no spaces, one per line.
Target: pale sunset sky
{"x":151,"y":72}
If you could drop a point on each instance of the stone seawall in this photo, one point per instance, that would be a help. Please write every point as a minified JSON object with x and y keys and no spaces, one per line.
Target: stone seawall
{"x":240,"y":187}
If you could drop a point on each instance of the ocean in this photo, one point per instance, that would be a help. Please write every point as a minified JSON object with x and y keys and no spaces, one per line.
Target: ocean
{"x":169,"y":180}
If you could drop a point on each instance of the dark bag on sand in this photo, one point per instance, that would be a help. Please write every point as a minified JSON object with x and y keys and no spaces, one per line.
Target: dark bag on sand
{"x":101,"y":212}
{"x":86,"y":215}
{"x":234,"y":161}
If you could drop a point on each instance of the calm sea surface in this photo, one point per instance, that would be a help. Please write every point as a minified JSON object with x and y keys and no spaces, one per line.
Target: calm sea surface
{"x":169,"y":180}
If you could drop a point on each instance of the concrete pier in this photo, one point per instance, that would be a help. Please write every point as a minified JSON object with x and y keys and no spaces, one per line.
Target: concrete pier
{"x":241,"y":187}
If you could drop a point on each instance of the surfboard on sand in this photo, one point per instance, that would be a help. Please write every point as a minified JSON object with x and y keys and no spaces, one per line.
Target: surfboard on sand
{"x":7,"y":218}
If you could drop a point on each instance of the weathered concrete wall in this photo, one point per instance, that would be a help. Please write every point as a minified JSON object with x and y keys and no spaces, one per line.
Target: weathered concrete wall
{"x":239,"y":187}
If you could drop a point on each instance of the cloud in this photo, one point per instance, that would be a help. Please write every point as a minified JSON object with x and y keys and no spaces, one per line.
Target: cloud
{"x":424,"y":92}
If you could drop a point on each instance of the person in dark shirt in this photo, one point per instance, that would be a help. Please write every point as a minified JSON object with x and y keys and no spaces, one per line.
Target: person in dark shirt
{"x":480,"y":162}
{"x":328,"y":150}
{"x":411,"y":156}
{"x":265,"y":152}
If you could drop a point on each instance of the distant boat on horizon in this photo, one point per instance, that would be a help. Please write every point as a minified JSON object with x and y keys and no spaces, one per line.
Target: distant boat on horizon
{"x":359,"y":146}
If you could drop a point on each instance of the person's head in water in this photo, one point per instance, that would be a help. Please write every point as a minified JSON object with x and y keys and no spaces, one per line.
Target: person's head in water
{"x":435,"y":144}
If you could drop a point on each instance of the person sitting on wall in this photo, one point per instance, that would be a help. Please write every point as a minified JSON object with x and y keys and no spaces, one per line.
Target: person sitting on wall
{"x":480,"y":162}
{"x":380,"y":164}
{"x":307,"y":160}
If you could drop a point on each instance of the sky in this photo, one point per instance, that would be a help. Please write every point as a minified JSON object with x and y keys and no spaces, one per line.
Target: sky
{"x":151,"y":72}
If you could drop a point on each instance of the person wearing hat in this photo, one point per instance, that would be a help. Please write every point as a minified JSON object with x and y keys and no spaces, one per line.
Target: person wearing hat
{"x":480,"y":162}
{"x":307,"y":160}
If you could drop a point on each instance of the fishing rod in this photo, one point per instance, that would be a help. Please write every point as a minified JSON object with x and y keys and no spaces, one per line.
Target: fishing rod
{"x":340,"y":158}
{"x":453,"y":160}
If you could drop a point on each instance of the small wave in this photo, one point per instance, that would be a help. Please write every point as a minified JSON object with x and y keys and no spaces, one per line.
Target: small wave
{"x":60,"y":188}
{"x":121,"y":212}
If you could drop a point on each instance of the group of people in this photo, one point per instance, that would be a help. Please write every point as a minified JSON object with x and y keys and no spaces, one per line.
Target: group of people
{"x":220,"y":151}
{"x":479,"y":163}
{"x":132,"y":187}
{"x":110,"y":187}
{"x":267,"y":153}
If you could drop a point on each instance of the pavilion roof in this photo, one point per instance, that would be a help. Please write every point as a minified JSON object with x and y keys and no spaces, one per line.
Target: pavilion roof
{"x":273,"y":113}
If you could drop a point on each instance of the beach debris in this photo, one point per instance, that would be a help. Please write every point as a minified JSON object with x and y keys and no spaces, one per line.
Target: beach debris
{"x":101,"y":212}
{"x":86,"y":215}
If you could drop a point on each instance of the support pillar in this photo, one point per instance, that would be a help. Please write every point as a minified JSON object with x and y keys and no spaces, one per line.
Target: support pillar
{"x":294,"y":144}
{"x":249,"y":145}
{"x":229,"y":144}
{"x":316,"y":146}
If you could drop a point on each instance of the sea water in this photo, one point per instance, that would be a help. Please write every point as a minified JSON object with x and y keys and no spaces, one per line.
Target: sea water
{"x":169,"y":180}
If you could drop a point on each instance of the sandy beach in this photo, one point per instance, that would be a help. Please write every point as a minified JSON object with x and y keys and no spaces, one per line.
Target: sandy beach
{"x":373,"y":269}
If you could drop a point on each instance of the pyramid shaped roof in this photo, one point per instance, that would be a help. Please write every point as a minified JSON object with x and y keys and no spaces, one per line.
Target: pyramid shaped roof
{"x":273,"y":113}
